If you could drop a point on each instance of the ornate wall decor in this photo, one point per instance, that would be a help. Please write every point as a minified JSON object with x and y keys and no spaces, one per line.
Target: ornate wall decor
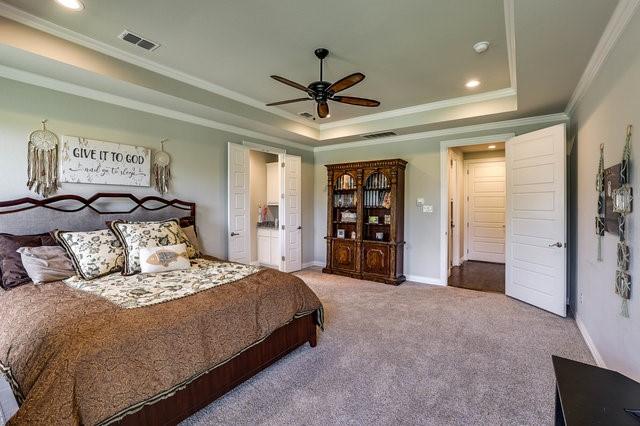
{"x":42,"y":160}
{"x":161,"y":170}
{"x":622,"y":204}
{"x":91,"y":161}
{"x":600,"y":187}
{"x":611,"y":184}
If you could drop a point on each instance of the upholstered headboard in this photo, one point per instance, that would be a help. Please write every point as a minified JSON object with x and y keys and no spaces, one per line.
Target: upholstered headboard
{"x":27,"y":216}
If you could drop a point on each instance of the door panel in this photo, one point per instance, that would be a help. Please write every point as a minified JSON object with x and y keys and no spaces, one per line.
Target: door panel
{"x":485,"y":209}
{"x":293,"y":213}
{"x":376,"y":259}
{"x":238,"y":204}
{"x":536,"y":212}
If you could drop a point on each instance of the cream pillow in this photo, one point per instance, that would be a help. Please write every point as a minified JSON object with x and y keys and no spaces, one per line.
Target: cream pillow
{"x":137,"y":235}
{"x":164,"y":258}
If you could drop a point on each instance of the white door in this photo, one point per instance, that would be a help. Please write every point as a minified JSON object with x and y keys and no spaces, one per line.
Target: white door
{"x":239,"y":238}
{"x":292,"y":213}
{"x":485,"y":210}
{"x":536,"y":228}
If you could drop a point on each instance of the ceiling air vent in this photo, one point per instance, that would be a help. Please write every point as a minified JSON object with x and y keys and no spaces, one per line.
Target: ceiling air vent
{"x":379,"y":135}
{"x":139,"y":41}
{"x":306,"y":115}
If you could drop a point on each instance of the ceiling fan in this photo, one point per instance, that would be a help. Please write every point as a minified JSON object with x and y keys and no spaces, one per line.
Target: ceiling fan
{"x":322,"y":91}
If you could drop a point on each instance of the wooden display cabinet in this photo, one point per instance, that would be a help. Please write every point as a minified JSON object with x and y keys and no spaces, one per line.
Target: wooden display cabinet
{"x":365,"y":220}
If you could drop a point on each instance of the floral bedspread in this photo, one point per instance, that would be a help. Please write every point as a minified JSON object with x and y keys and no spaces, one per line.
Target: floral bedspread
{"x":140,"y":290}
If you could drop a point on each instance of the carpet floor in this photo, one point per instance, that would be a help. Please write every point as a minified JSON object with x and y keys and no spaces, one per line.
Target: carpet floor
{"x":413,"y":354}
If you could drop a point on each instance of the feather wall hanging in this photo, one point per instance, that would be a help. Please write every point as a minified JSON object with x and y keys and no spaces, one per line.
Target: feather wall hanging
{"x":161,"y":170}
{"x":42,"y":160}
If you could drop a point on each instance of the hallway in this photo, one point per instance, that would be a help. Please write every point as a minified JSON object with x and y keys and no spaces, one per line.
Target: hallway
{"x":481,"y":276}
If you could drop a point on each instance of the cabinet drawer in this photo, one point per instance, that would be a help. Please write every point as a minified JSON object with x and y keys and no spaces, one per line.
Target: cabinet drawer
{"x":376,"y":259}
{"x":344,"y":255}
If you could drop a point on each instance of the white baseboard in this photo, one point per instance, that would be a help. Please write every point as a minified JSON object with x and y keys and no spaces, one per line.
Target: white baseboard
{"x":312,"y":263}
{"x":590,"y":344}
{"x":424,"y":280}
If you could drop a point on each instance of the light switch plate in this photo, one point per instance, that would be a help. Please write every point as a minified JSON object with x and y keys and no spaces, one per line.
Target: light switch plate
{"x":427,"y":209}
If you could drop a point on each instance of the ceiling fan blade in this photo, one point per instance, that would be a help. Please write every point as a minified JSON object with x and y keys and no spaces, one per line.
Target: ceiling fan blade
{"x":356,"y":101}
{"x":323,"y":109}
{"x":345,"y":83}
{"x":290,"y":101}
{"x":291,"y":83}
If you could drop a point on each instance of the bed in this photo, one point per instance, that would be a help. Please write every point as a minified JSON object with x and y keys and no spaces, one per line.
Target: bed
{"x":75,"y":357}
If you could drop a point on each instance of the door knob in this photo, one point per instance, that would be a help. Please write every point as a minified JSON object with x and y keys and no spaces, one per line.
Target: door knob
{"x":558,"y":244}
{"x":233,"y":234}
{"x":299,"y":227}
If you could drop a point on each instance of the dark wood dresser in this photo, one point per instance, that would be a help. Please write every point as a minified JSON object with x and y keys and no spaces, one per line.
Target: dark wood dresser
{"x":365,"y":220}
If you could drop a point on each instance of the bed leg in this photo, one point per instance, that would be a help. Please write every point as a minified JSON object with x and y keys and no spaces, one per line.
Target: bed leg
{"x":313,"y":338}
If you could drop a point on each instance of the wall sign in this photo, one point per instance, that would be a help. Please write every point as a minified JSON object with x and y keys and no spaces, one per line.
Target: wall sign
{"x":85,"y":160}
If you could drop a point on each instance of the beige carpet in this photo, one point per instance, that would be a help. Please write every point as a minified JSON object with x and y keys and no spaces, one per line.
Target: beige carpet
{"x":413,"y":354}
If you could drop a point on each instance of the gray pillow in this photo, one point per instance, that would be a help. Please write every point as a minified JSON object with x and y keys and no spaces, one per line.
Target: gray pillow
{"x":190,"y":232}
{"x":46,"y":263}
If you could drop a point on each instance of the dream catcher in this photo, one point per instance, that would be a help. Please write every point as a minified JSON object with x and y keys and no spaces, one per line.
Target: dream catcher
{"x":601,"y":202}
{"x":622,"y":204}
{"x":42,"y":172}
{"x":161,"y":170}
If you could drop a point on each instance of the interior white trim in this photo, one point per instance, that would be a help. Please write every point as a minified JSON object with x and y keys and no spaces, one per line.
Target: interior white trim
{"x":424,"y":280}
{"x":620,"y":17}
{"x":74,"y":89}
{"x":446,"y":103}
{"x":444,"y":191}
{"x":264,"y":148}
{"x":510,"y":26}
{"x":496,"y":125}
{"x":49,"y":27}
{"x":592,"y":347}
{"x":312,"y":263}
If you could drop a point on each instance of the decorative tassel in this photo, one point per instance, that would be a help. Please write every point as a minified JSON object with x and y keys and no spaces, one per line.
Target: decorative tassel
{"x":161,"y":171}
{"x":42,"y":162}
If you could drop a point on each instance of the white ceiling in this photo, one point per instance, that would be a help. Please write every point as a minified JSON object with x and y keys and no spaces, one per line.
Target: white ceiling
{"x":416,"y":55}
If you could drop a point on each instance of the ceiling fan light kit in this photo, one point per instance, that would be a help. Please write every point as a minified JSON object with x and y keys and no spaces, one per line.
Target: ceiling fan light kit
{"x":323,"y":91}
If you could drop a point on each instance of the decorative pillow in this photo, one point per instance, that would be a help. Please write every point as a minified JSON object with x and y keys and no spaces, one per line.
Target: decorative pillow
{"x":190,"y":232}
{"x":46,"y":263}
{"x":164,"y":258}
{"x":12,"y":273}
{"x":136,"y":235}
{"x":94,"y":254}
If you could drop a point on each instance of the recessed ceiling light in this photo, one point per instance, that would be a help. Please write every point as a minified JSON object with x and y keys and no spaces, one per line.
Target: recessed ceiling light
{"x":481,"y":46}
{"x":75,"y":5}
{"x":491,"y":147}
{"x":472,"y":83}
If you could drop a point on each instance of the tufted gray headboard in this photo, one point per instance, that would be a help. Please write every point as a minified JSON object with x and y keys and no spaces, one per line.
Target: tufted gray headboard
{"x":27,"y":216}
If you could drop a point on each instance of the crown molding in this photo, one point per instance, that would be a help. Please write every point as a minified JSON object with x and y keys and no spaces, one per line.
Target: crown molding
{"x":497,"y":125}
{"x":97,"y":95}
{"x":56,"y":30}
{"x":620,"y":17}
{"x":447,"y":103}
{"x":510,"y":27}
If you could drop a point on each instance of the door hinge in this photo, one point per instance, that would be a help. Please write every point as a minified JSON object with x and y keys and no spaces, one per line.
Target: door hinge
{"x":467,"y":224}
{"x":467,"y":171}
{"x":452,"y":164}
{"x":467,"y":198}
{"x":283,"y":258}
{"x":282,"y":196}
{"x":283,"y":227}
{"x":282,"y":164}
{"x":467,"y":251}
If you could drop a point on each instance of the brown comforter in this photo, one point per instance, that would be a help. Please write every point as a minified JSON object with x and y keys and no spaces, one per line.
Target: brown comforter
{"x":78,"y":359}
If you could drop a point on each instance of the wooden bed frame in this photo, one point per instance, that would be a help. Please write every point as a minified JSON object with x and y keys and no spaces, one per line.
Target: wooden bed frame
{"x":210,"y":386}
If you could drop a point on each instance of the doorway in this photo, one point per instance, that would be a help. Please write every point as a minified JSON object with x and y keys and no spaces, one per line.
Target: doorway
{"x":477,"y":200}
{"x":534,"y":216}
{"x":264,"y":207}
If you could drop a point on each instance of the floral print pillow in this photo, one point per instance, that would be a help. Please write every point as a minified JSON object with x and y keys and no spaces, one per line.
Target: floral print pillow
{"x":94,"y":254}
{"x":137,"y":235}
